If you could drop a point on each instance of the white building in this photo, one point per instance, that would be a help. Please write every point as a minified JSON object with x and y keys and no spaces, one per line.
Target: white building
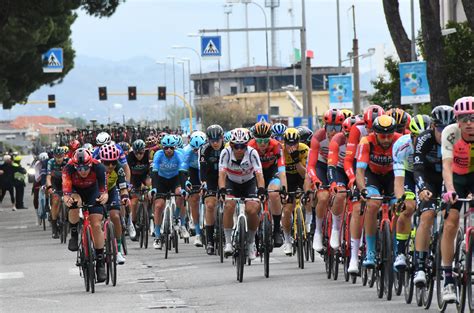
{"x":451,"y":10}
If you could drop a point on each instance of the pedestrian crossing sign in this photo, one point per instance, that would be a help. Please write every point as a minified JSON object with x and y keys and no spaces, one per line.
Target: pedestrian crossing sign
{"x":211,"y":46}
{"x":53,"y":61}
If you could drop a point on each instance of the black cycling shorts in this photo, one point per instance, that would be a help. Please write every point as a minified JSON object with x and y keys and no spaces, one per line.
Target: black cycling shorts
{"x":88,"y":197}
{"x":463,"y":185}
{"x":114,"y":200}
{"x":321,"y":173}
{"x":245,"y":190}
{"x":378,"y":184}
{"x":165,"y":185}
{"x":434,"y":183}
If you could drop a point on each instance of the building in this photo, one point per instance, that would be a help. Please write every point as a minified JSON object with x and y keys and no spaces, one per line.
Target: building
{"x":43,"y":125}
{"x":451,"y":10}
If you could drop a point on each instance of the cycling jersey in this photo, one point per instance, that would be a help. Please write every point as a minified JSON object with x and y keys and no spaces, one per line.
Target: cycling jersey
{"x":122,"y":158}
{"x":453,"y":146}
{"x":319,"y":147}
{"x":191,"y":157}
{"x":291,"y":163}
{"x":72,"y":180}
{"x":152,"y":151}
{"x":427,"y":164}
{"x":55,"y":171}
{"x":209,"y":165}
{"x":240,"y":171}
{"x":139,"y":169}
{"x":116,"y":178}
{"x":272,"y":159}
{"x":337,"y":150}
{"x":357,"y":132}
{"x":373,"y":156}
{"x":168,"y":167}
{"x":402,"y":154}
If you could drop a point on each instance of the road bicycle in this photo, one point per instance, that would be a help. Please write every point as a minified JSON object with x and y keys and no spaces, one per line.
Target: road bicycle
{"x":110,"y":250}
{"x":63,"y":222}
{"x":170,"y":233}
{"x":143,"y":219}
{"x":43,"y":211}
{"x":298,"y":227}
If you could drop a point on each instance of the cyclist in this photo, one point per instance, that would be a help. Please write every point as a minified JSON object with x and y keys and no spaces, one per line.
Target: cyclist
{"x":457,"y":150}
{"x":88,"y":146}
{"x":104,"y":138}
{"x":273,"y":167}
{"x":73,"y":146}
{"x":125,"y":146}
{"x":404,"y":183}
{"x":305,"y":134}
{"x":375,"y":174}
{"x":139,"y":165}
{"x":427,"y":168}
{"x":84,"y":182}
{"x":168,"y":175}
{"x":337,"y":177}
{"x":109,"y":155}
{"x":192,"y":166}
{"x":240,"y":171}
{"x":54,"y":185}
{"x":358,"y":131}
{"x":317,"y":172}
{"x":296,"y":155}
{"x":152,"y":145}
{"x":209,"y":155}
{"x":227,"y":137}
{"x":347,"y":113}
{"x":278,"y":130}
{"x":402,"y":119}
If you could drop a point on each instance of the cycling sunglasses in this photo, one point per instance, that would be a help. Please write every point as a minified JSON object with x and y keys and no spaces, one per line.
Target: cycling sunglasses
{"x":333,"y":127}
{"x":108,"y":163}
{"x":239,"y":146}
{"x":465,"y":118}
{"x":215,"y":140}
{"x":262,"y":140}
{"x":168,"y":148}
{"x":140,"y":152}
{"x":385,"y":136}
{"x":82,"y":168}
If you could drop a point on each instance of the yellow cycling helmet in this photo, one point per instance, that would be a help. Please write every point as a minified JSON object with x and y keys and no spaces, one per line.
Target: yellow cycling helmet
{"x":291,"y":135}
{"x":347,"y":113}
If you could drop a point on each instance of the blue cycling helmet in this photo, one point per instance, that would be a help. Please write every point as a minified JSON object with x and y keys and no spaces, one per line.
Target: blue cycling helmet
{"x":278,"y":129}
{"x":169,"y":141}
{"x":196,"y":142}
{"x":179,"y":141}
{"x":227,"y":136}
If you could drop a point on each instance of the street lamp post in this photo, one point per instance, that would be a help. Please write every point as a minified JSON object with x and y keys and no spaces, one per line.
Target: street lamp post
{"x":189,"y":80}
{"x":228,"y":11}
{"x":184,"y":84}
{"x":174,"y":86}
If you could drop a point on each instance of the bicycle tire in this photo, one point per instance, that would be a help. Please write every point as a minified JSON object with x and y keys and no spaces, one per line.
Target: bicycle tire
{"x":408,"y":287}
{"x":90,"y":260}
{"x":439,"y":273}
{"x":379,"y":265}
{"x":145,"y":227}
{"x":111,"y":250}
{"x":83,"y":269}
{"x":364,"y":276}
{"x":267,"y":226}
{"x":398,"y":281}
{"x":43,"y":221}
{"x":345,"y":264}
{"x":468,"y":271}
{"x":300,"y":235}
{"x":460,"y":280}
{"x":335,"y":263}
{"x":140,"y":225}
{"x":124,"y":243}
{"x":430,"y":282}
{"x":220,"y":235}
{"x":241,"y":248}
{"x":175,"y":241}
{"x":388,"y":261}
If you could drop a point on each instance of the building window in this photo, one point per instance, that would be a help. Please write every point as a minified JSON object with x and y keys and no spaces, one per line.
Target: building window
{"x":233,"y":90}
{"x":274,"y":111}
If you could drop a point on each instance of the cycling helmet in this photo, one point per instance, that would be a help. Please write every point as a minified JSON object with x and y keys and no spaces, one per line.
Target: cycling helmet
{"x":214,"y":132}
{"x":43,"y":156}
{"x":262,"y":130}
{"x":401,"y":117}
{"x":179,"y":141}
{"x":82,"y":157}
{"x":348,"y":123}
{"x":305,"y":133}
{"x":240,"y":136}
{"x":138,"y":145}
{"x":74,"y":144}
{"x":109,"y":152}
{"x":151,"y":141}
{"x":371,"y":113}
{"x":103,"y":138}
{"x":347,"y":113}
{"x":227,"y":136}
{"x":278,"y":129}
{"x":88,"y":146}
{"x":160,"y":136}
{"x":125,"y":146}
{"x":464,"y":105}
{"x":443,"y":115}
{"x":419,"y":123}
{"x":198,"y":133}
{"x":58,"y":151}
{"x":333,"y":117}
{"x":196,"y":142}
{"x":169,"y":141}
{"x":384,"y":125}
{"x":291,"y":135}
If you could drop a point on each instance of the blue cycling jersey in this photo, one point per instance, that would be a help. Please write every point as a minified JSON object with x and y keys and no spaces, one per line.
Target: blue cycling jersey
{"x":168,"y":167}
{"x":191,"y":157}
{"x":403,"y":151}
{"x":122,"y":158}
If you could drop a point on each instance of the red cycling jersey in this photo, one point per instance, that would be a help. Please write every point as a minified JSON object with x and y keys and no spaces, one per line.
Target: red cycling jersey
{"x":337,"y":150}
{"x":318,"y":152}
{"x":371,"y":154}
{"x":271,"y":156}
{"x":357,"y":132}
{"x":71,"y":178}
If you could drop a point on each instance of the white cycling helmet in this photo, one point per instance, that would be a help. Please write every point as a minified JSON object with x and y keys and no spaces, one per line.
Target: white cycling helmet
{"x":198,"y":133}
{"x":43,"y":156}
{"x":239,"y":136}
{"x":103,"y":138}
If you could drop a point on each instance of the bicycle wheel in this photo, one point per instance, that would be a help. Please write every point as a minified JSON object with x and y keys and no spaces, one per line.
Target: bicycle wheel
{"x":140,"y":224}
{"x":387,"y":261}
{"x":335,"y":264}
{"x":124,"y":243}
{"x":379,"y":264}
{"x":241,"y":246}
{"x":175,"y":240}
{"x":439,"y":274}
{"x":166,"y":231}
{"x":111,"y":254}
{"x":145,"y":227}
{"x":468,"y":271}
{"x":220,"y":236}
{"x":459,"y":269}
{"x":90,"y":257}
{"x":430,"y":282}
{"x":267,"y":234}
{"x":300,"y":238}
{"x":408,"y":286}
{"x":82,"y":262}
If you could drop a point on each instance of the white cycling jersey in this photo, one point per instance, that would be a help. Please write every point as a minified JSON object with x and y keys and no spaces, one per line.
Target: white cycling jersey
{"x":241,"y":171}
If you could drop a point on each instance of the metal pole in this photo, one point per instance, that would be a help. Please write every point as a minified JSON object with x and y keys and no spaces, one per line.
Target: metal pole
{"x":247,"y":33}
{"x":184,"y":91}
{"x":189,"y":81}
{"x":274,"y":43}
{"x":219,"y":75}
{"x":174,"y":98}
{"x":413,"y":43}
{"x":355,"y":53}
{"x":339,"y":39}
{"x":303,"y":63}
{"x":227,"y":12}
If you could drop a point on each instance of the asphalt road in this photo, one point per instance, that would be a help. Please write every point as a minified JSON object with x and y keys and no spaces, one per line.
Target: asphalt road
{"x":38,"y":274}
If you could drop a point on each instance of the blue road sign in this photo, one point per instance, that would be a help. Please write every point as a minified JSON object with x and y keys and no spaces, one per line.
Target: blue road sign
{"x":340,"y":92}
{"x":414,"y":86}
{"x":261,"y":117}
{"x":211,"y":46}
{"x":53,"y":61}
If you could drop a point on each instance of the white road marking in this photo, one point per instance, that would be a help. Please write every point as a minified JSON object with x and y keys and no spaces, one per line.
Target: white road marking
{"x":176,"y":269}
{"x":14,"y":227}
{"x":11,"y":275}
{"x":28,"y":298}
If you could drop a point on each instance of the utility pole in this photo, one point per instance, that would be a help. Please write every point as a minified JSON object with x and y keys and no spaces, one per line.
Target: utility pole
{"x":355,"y":53}
{"x":413,"y":43}
{"x":247,"y":33}
{"x":228,"y":11}
{"x":339,"y":39}
{"x":303,"y":62}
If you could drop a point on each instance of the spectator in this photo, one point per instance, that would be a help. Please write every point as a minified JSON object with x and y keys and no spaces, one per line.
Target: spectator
{"x":19,"y":182}
{"x":7,"y":174}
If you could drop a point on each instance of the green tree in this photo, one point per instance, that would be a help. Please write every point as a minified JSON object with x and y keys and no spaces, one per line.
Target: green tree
{"x":77,"y":122}
{"x":387,"y":90}
{"x":28,"y":28}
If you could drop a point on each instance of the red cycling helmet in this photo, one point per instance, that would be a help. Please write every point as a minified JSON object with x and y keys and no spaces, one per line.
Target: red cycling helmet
{"x":348,"y":123}
{"x":82,"y":157}
{"x":74,"y":144}
{"x":371,"y":113}
{"x":109,"y":152}
{"x":333,"y":117}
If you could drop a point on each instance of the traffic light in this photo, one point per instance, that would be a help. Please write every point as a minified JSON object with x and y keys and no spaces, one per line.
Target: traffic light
{"x":161,"y":93}
{"x":102,"y":93}
{"x":51,"y":101}
{"x":132,"y":93}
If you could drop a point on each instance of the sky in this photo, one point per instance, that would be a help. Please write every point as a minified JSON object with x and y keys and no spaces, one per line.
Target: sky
{"x":149,"y":29}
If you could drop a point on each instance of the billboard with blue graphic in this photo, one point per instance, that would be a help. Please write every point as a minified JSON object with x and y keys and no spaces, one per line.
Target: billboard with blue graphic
{"x":414,"y":85}
{"x":340,"y":92}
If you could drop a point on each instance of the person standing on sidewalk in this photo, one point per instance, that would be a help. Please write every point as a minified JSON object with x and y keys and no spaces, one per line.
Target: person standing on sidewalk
{"x":7,"y":174}
{"x":19,"y":182}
